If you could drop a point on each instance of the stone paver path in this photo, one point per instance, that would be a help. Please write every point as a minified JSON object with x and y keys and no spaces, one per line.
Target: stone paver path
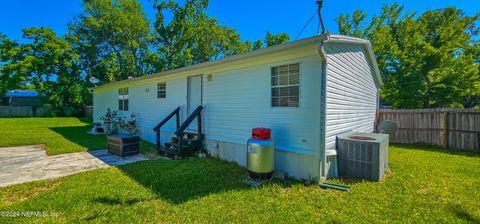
{"x":30,"y":163}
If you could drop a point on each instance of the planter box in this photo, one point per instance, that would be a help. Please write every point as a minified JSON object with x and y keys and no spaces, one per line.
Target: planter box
{"x":123,"y":145}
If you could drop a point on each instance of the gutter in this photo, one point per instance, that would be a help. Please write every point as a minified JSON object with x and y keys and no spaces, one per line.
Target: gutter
{"x":229,"y":59}
{"x":323,"y":38}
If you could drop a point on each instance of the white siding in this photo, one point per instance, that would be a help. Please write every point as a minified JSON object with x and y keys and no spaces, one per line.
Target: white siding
{"x":102,"y":100}
{"x":351,"y":91}
{"x":149,"y":109}
{"x":237,"y":99}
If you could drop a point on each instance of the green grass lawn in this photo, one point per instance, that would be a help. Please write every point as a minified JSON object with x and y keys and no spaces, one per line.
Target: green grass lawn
{"x":425,"y":185}
{"x":60,"y":135}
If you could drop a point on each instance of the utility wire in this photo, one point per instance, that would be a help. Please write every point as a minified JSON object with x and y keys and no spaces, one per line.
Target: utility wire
{"x":301,"y":31}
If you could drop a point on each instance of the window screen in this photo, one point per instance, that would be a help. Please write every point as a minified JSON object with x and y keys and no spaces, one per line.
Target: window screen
{"x":162,"y":90}
{"x":286,"y":85}
{"x":123,"y":99}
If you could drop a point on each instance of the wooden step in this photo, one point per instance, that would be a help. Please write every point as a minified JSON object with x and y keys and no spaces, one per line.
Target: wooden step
{"x":176,"y":145}
{"x":196,"y":135}
{"x":175,"y":139}
{"x":173,"y":152}
{"x":191,"y":143}
{"x":172,"y":148}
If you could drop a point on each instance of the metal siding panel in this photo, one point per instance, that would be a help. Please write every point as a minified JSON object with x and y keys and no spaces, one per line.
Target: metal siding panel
{"x":292,"y":164}
{"x":300,"y":166}
{"x":241,"y":154}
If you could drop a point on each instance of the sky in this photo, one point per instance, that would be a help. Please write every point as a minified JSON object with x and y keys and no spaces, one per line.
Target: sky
{"x":251,"y":18}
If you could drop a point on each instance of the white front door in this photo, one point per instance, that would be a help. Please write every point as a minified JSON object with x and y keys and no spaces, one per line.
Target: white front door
{"x":194,"y":97}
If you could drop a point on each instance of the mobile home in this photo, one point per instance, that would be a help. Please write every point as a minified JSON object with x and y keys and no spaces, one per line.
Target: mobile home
{"x":306,"y":91}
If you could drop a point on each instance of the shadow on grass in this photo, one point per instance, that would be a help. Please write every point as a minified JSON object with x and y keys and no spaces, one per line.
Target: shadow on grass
{"x":462,"y":214}
{"x":430,"y":148}
{"x":178,"y":181}
{"x":78,"y":135}
{"x":118,"y":201}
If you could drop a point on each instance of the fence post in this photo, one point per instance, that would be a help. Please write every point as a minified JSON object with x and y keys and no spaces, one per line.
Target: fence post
{"x":445,"y":129}
{"x":478,"y":143}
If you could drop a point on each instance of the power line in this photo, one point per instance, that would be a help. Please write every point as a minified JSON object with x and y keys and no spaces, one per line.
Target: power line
{"x":301,"y":31}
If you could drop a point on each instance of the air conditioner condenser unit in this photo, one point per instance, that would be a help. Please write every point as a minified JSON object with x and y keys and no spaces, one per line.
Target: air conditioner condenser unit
{"x":362,"y":155}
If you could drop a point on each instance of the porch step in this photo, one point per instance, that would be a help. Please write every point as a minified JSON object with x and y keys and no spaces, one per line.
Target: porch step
{"x":176,"y":139}
{"x":192,"y":141}
{"x":173,"y":149}
{"x":192,"y":135}
{"x":176,"y":145}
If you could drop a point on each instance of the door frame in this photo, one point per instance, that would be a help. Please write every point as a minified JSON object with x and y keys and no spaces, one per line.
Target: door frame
{"x":188,"y":92}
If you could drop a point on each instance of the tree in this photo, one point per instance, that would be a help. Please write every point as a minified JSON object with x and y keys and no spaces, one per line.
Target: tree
{"x":191,"y":36}
{"x":113,"y":39}
{"x":430,"y":60}
{"x":10,"y":76}
{"x":270,"y":40}
{"x":49,"y":64}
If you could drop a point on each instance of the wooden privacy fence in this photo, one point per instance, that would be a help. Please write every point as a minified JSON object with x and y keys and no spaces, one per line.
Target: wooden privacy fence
{"x":23,"y":111}
{"x":450,"y":128}
{"x":89,"y":111}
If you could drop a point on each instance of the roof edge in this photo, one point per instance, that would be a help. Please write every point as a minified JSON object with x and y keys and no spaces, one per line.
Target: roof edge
{"x":228,"y":59}
{"x":327,"y":38}
{"x":331,"y":38}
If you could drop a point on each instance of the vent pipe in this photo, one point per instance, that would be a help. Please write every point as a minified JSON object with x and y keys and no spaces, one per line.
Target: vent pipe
{"x":319,"y":5}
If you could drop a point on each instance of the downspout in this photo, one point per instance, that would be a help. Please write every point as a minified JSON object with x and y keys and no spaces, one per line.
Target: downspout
{"x":323,"y":76}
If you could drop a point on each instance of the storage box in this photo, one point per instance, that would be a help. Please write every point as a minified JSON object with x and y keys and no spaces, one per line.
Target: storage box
{"x":123,"y":145}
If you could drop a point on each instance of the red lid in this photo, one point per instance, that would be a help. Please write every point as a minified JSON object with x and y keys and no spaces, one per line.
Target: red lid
{"x":261,"y":133}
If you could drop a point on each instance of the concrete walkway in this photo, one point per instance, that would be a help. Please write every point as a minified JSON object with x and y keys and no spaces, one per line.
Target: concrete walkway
{"x":30,"y":163}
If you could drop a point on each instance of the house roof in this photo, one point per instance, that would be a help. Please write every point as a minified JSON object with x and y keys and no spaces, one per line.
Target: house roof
{"x":22,"y":93}
{"x":263,"y":51}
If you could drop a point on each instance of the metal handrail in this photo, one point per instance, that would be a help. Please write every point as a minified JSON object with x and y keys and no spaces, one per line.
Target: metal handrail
{"x":181,"y":128}
{"x":196,"y":113}
{"x":166,"y":119}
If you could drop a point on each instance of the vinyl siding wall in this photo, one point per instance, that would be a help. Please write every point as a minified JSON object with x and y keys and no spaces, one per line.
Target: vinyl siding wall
{"x":351,"y":91}
{"x":149,"y":109}
{"x":236,"y":99}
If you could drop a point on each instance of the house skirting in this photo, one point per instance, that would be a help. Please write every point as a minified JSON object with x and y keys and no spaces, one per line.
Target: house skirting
{"x":295,"y":165}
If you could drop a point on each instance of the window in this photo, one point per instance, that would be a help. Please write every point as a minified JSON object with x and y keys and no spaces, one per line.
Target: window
{"x":123,"y":99}
{"x":162,"y":90}
{"x":286,"y":85}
